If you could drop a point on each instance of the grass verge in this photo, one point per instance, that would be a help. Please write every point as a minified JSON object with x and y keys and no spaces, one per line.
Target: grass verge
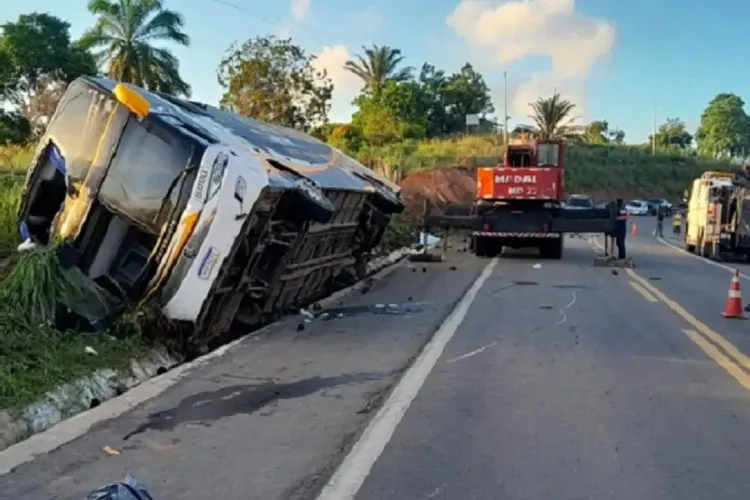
{"x":34,"y":357}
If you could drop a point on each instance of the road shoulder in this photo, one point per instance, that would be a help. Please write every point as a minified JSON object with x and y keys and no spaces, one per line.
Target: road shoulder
{"x":271,"y":418}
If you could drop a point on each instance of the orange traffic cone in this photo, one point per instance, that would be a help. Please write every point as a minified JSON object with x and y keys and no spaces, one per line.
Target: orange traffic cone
{"x":734,"y":299}
{"x":634,"y":230}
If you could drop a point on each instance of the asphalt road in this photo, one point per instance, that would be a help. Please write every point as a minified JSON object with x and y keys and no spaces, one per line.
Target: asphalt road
{"x":567,"y":382}
{"x":563,"y":381}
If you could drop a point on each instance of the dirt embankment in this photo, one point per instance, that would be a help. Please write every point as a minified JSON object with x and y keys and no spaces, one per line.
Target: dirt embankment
{"x":442,"y":187}
{"x":455,"y":187}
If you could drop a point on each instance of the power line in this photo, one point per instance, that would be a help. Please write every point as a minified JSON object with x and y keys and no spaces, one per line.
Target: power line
{"x":273,"y":20}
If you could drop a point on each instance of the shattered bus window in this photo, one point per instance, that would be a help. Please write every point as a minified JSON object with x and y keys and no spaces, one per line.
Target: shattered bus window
{"x":147,"y":160}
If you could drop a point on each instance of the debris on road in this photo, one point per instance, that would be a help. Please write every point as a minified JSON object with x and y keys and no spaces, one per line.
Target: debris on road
{"x":127,"y":489}
{"x":425,"y":256}
{"x":396,"y":309}
{"x":110,"y":451}
{"x":472,"y":353}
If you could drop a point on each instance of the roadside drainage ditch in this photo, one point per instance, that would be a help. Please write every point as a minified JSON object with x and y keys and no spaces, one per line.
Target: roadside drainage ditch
{"x":89,"y":392}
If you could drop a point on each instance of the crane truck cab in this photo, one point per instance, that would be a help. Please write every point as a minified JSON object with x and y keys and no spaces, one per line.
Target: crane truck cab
{"x":516,"y":201}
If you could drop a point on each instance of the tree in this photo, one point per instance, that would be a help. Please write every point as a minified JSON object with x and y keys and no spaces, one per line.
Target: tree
{"x":14,"y":127}
{"x":724,"y":126}
{"x":346,"y":137}
{"x":37,"y":60}
{"x":124,"y":39}
{"x":617,"y":136}
{"x":380,"y":64}
{"x":596,"y":132}
{"x":409,"y":105}
{"x":433,"y":83}
{"x":552,"y":117}
{"x":464,"y":93}
{"x":273,"y":80}
{"x":376,"y":122}
{"x":673,"y":134}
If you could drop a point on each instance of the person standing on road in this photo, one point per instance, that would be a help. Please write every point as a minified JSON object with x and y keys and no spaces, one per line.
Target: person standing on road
{"x":659,"y":230}
{"x":611,"y":233}
{"x":677,"y":223}
{"x":621,"y":229}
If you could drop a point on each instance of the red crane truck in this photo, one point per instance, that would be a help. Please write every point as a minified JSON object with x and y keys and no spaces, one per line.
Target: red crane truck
{"x":520,"y":204}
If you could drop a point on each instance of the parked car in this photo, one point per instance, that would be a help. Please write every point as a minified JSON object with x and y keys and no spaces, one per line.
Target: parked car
{"x":579,"y":202}
{"x":637,"y":207}
{"x":654,"y":204}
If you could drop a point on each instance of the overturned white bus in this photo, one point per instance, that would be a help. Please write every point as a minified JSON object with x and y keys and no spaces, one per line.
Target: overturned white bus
{"x":223,"y":219}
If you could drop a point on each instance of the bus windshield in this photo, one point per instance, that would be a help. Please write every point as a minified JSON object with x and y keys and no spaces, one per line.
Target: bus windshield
{"x":148,"y":159}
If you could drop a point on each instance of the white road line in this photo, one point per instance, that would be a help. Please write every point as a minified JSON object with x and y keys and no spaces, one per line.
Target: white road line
{"x":708,"y":261}
{"x":351,"y":474}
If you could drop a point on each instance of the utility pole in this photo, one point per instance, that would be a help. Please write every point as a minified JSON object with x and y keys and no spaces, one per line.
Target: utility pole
{"x":653,"y":133}
{"x":505,"y":109}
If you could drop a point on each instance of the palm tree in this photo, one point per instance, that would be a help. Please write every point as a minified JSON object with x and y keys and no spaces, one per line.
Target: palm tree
{"x":552,"y":118}
{"x":378,"y":66}
{"x":123,"y":41}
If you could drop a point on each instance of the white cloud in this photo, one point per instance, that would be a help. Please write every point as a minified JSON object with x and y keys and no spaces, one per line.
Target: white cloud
{"x":299,"y":10}
{"x":345,"y":84}
{"x":517,"y":29}
{"x":368,"y":19}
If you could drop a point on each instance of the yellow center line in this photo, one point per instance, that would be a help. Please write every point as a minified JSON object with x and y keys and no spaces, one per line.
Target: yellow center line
{"x":714,"y":353}
{"x":707,"y":332}
{"x":713,"y":344}
{"x":644,"y":293}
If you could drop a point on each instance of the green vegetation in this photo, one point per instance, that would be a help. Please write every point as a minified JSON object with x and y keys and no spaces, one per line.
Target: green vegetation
{"x":123,"y":40}
{"x":35,"y":357}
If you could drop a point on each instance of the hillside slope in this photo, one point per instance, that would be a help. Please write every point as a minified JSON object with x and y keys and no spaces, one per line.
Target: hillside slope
{"x":604,"y":172}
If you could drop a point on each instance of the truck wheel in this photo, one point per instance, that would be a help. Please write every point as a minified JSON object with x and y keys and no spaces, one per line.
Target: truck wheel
{"x":480,"y":246}
{"x":552,"y":249}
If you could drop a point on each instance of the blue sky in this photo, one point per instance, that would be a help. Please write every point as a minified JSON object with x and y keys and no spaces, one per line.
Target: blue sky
{"x":615,"y":58}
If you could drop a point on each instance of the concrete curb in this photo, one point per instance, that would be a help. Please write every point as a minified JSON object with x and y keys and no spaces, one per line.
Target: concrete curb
{"x":72,"y":403}
{"x":81,"y":395}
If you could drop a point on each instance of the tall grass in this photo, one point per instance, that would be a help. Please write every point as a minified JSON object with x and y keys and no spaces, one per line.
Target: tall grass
{"x":34,"y":357}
